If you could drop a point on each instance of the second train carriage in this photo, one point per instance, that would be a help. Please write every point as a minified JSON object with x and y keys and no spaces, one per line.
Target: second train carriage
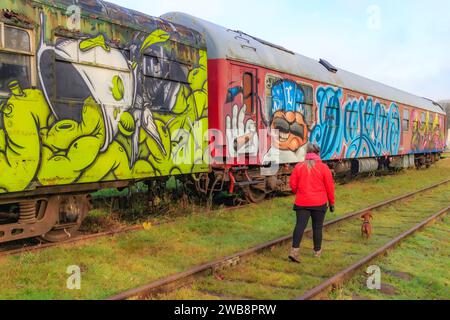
{"x":258,"y":88}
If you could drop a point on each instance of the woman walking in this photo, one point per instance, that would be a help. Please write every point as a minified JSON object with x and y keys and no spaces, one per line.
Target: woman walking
{"x":312,"y":182}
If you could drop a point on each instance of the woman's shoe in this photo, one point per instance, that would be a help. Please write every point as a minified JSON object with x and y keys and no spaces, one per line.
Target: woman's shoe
{"x":318,"y":254}
{"x":294,"y":256}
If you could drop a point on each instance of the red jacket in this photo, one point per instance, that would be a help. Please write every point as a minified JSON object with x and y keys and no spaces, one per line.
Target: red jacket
{"x":314,"y":187}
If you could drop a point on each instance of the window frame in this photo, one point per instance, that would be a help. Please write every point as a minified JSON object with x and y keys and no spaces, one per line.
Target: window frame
{"x":431,"y":121}
{"x":268,"y":91}
{"x":252,"y":110}
{"x":31,"y":54}
{"x":85,"y":63}
{"x":308,"y":105}
{"x":164,"y":59}
{"x":78,"y":61}
{"x":406,"y":127}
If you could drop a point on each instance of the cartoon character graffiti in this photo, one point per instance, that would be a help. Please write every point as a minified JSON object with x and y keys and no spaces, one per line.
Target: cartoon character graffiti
{"x":94,"y":118}
{"x":289,"y":130}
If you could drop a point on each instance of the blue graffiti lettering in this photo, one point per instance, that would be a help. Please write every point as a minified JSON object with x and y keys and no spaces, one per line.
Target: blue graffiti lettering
{"x":287,"y":96}
{"x":363,"y":128}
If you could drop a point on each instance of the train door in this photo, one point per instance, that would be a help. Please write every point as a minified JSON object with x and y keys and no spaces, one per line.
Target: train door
{"x":242,"y":115}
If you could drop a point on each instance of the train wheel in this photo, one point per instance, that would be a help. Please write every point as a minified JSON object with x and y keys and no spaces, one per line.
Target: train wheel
{"x":72,"y":211}
{"x":255,"y":194}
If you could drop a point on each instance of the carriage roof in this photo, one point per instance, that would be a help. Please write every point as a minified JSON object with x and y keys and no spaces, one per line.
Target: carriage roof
{"x":112,"y":13}
{"x":225,"y":43}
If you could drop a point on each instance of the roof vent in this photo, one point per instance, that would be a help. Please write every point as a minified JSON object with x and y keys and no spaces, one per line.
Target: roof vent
{"x":438,"y":105}
{"x":328,"y":65}
{"x":264,"y":42}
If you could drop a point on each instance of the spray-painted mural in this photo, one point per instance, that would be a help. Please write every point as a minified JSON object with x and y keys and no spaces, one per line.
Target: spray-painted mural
{"x":287,"y":120}
{"x":106,"y":112}
{"x":426,"y":132}
{"x":364,"y":127}
{"x":286,"y":124}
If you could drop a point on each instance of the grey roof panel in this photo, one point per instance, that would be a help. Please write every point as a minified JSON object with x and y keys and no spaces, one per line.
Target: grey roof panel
{"x":225,"y":43}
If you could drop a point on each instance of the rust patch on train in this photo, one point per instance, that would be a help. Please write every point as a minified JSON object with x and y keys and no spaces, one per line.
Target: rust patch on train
{"x":10,"y":16}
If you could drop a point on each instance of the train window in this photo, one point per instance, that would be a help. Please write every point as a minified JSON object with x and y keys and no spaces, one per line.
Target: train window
{"x":423,"y":121}
{"x":164,"y":69}
{"x":406,"y":119}
{"x":247,"y":85}
{"x":17,"y":39}
{"x":15,"y":58}
{"x":270,"y":81}
{"x":308,"y":102}
{"x":308,"y":92}
{"x":309,"y":114}
{"x":14,"y":67}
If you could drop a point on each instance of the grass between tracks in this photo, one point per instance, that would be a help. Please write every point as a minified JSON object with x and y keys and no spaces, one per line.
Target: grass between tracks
{"x":114,"y":264}
{"x":416,"y":270}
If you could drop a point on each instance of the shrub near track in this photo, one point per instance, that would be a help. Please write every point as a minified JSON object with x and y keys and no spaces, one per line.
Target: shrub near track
{"x":112,"y":265}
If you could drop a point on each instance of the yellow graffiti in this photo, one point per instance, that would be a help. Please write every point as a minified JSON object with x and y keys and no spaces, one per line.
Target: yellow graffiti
{"x":92,"y":43}
{"x":157,"y":36}
{"x":39,"y":148}
{"x":70,"y":147}
{"x":20,"y":156}
{"x":184,"y":130}
{"x":118,"y":89}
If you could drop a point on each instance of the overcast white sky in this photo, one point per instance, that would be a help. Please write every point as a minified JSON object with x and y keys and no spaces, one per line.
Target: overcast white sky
{"x":403,"y":43}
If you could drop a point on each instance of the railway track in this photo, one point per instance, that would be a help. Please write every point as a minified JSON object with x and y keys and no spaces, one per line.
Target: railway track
{"x":227,"y":278}
{"x":345,"y":275}
{"x":33,"y":245}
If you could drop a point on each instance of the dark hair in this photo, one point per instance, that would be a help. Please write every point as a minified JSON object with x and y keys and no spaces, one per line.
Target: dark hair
{"x":312,"y":148}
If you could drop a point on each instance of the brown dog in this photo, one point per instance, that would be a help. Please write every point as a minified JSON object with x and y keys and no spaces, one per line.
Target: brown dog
{"x":366,"y":229}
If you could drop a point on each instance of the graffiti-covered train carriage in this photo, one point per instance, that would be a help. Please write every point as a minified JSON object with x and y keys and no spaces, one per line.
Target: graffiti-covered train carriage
{"x":270,"y":102}
{"x":92,"y":96}
{"x":96,"y":96}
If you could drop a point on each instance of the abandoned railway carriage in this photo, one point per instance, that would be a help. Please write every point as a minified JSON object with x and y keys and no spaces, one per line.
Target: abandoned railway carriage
{"x":96,"y":96}
{"x":92,"y":96}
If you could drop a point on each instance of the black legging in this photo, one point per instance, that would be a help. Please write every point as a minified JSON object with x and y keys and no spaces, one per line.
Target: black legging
{"x":318,"y":217}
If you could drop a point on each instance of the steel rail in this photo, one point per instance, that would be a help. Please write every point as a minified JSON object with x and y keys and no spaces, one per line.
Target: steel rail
{"x":81,"y":238}
{"x":182,"y":279}
{"x":346,"y":274}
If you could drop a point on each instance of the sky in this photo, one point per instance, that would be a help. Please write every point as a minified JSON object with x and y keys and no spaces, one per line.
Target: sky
{"x":402,"y":43}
